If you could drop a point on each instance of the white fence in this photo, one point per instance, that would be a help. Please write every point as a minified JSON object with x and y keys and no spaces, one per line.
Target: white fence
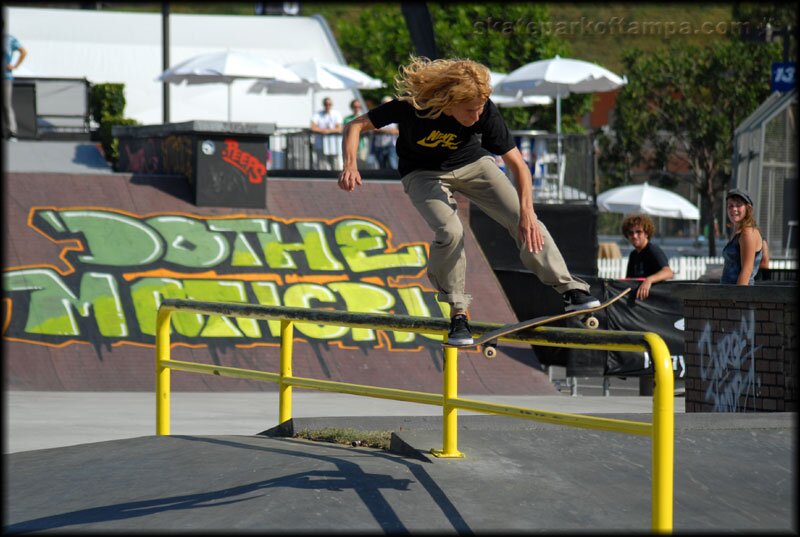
{"x":685,"y":268}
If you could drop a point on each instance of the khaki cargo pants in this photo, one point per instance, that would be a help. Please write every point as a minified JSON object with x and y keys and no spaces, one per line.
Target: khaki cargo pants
{"x":487,"y":186}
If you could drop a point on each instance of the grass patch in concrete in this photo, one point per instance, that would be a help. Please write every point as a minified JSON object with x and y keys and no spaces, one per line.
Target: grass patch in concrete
{"x":350,"y":437}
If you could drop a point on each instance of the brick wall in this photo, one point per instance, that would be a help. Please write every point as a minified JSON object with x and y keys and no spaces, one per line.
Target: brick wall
{"x":740,"y":347}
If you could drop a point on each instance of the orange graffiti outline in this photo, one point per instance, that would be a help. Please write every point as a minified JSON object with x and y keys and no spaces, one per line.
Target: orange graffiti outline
{"x":78,"y":246}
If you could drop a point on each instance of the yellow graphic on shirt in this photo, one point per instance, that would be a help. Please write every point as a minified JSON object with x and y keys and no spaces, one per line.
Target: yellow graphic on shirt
{"x":436,"y":139}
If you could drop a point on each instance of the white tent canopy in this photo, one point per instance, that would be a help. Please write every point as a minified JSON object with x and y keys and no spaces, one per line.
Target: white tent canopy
{"x":647,"y":199}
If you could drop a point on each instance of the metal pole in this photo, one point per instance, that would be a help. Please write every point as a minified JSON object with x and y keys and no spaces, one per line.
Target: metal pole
{"x":450,"y":413}
{"x":165,"y":58}
{"x":285,"y":390}
{"x":558,"y":142}
{"x":663,"y":435}
{"x":229,"y":100}
{"x":162,"y":372}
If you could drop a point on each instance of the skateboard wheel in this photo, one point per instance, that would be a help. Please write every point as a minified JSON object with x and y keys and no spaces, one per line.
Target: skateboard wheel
{"x":592,"y":322}
{"x":490,"y":351}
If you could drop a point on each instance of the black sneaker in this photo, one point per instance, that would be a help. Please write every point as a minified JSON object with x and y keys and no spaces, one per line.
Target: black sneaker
{"x":459,"y":333}
{"x":576,"y":299}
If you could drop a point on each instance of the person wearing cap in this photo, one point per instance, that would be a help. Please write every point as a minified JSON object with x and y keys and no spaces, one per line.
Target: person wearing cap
{"x":742,"y":255}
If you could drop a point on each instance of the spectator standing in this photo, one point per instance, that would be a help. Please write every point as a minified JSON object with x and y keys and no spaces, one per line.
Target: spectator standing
{"x":10,"y":45}
{"x":384,"y":143}
{"x":743,"y":253}
{"x":363,"y":145}
{"x":646,"y":261}
{"x":326,"y":123}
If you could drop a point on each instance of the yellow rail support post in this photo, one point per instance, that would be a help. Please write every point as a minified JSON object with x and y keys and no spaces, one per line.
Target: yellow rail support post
{"x":162,"y":371}
{"x":661,"y":430}
{"x":285,"y":389}
{"x":450,"y":411}
{"x":663,"y":434}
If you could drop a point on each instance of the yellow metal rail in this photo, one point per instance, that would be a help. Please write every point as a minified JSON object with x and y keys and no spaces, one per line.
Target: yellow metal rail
{"x":661,"y":430}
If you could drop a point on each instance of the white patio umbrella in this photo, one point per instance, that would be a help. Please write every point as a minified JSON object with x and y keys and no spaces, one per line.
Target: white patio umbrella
{"x":558,"y":77}
{"x":505,"y":101}
{"x":226,"y":67}
{"x":319,"y":76}
{"x":647,"y":199}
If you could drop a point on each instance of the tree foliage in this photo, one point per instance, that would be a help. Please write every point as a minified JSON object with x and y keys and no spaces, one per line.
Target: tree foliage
{"x":681,"y":106}
{"x":501,"y":36}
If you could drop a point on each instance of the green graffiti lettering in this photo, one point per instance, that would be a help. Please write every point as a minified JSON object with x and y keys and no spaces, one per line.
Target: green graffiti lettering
{"x":222,"y":291}
{"x":289,"y":251}
{"x":267,"y":294}
{"x":304,"y":295}
{"x":415,"y":305}
{"x":114,"y":239}
{"x":318,"y":251}
{"x":275,"y":254}
{"x":189,"y":242}
{"x":244,"y":254}
{"x":364,"y":298}
{"x":315,"y":246}
{"x":52,"y":304}
{"x":357,"y":237}
{"x":147,"y":293}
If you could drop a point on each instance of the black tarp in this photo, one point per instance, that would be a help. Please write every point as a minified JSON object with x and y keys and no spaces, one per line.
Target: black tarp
{"x":661,"y":312}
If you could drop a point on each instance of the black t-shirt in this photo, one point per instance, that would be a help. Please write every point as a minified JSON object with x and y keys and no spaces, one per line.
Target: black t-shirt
{"x":442,"y":143}
{"x":647,"y":262}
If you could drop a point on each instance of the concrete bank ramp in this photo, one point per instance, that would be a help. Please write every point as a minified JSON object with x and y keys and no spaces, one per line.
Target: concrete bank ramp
{"x":87,"y":258}
{"x":733,"y":472}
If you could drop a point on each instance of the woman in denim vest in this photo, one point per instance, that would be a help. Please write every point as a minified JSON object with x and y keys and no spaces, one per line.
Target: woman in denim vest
{"x":742,"y":254}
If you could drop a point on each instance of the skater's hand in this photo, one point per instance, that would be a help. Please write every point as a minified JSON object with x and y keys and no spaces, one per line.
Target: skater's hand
{"x":349,"y":179}
{"x":530,"y":232}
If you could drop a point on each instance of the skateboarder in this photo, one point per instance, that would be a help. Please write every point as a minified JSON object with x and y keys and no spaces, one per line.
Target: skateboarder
{"x":449,"y":130}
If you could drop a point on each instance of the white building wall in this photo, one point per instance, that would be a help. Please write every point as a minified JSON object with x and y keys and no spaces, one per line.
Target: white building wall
{"x":108,"y":46}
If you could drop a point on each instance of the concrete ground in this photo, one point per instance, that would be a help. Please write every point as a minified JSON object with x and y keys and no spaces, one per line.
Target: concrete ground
{"x":55,"y":156}
{"x":89,"y":462}
{"x":733,"y":472}
{"x":43,"y":420}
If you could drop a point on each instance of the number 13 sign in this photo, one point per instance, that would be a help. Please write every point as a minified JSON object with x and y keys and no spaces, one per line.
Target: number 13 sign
{"x":783,"y":76}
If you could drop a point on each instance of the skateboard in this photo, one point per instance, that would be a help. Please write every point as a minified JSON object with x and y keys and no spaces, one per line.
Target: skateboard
{"x":489,"y":340}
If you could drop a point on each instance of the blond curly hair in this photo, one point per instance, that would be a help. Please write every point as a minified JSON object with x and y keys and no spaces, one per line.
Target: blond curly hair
{"x":435,"y":85}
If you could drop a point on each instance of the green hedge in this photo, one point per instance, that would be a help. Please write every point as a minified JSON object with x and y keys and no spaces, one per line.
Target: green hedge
{"x":108,"y":141}
{"x":107,"y":99}
{"x":107,"y":107}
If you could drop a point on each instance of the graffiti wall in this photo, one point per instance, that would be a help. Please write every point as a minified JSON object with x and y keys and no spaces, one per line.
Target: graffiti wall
{"x":223,"y":172}
{"x":728,"y":367}
{"x":741,"y":347}
{"x":89,"y":259}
